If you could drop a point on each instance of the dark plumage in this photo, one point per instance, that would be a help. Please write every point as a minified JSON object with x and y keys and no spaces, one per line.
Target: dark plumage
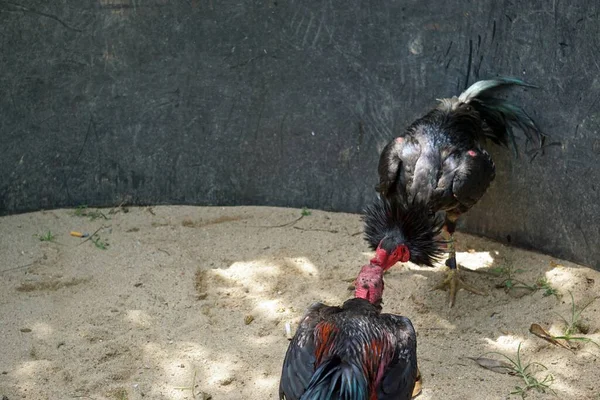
{"x":391,"y":224}
{"x":350,"y":353}
{"x":439,"y":161}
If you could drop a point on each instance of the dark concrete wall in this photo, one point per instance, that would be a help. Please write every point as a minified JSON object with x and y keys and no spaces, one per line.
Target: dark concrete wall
{"x":289,"y":102}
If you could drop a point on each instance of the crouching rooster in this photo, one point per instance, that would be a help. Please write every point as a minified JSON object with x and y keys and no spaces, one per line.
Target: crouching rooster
{"x":439,"y":163}
{"x":352,"y":352}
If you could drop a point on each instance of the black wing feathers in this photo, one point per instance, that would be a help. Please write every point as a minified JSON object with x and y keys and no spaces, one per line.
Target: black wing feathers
{"x":299,"y":362}
{"x":399,"y":379}
{"x":473,"y":177}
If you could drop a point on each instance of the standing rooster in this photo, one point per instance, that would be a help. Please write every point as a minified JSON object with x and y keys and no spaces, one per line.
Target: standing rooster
{"x":439,"y":163}
{"x":352,"y":352}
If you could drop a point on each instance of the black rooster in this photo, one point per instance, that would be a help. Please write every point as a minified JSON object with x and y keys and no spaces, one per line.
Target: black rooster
{"x":439,"y":163}
{"x":352,"y":352}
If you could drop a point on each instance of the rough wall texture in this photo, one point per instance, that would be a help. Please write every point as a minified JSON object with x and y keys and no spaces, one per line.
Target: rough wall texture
{"x":288,"y":103}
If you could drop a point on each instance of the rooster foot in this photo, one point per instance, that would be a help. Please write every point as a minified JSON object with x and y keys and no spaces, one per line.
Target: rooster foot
{"x":454,"y":282}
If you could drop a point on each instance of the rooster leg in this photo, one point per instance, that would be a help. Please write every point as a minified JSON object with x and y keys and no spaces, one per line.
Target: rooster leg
{"x":453,"y":281}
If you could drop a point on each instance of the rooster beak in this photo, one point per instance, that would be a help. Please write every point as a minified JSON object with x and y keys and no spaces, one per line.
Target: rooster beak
{"x":380,"y":257}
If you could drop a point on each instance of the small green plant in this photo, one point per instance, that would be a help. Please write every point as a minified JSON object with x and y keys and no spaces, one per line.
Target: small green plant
{"x":84,"y":211}
{"x":509,"y":283}
{"x":33,"y":353}
{"x":305,"y":212}
{"x":99,"y":242}
{"x":547,"y":288}
{"x":47,"y":237}
{"x":80,"y":211}
{"x":525,"y":372}
{"x":573,"y":325}
{"x":119,"y":394}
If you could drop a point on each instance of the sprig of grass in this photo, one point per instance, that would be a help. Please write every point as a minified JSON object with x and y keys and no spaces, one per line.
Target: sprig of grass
{"x":80,"y":210}
{"x":305,"y":212}
{"x":99,"y":242}
{"x":572,"y":325}
{"x":47,"y":237}
{"x":525,"y":372}
{"x":547,"y":288}
{"x":509,"y":283}
{"x":83,"y":211}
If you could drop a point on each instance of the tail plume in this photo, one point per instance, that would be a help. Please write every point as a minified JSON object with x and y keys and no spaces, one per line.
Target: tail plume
{"x":336,"y":379}
{"x":500,"y":115}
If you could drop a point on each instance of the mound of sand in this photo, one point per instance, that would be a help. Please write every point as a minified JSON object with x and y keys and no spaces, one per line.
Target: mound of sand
{"x":191,"y":302}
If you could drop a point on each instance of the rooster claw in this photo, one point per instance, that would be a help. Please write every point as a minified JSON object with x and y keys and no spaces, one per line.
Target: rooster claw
{"x":453,"y":282}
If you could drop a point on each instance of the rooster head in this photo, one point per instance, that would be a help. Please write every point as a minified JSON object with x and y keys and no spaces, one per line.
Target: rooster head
{"x":389,"y":251}
{"x":401,"y":232}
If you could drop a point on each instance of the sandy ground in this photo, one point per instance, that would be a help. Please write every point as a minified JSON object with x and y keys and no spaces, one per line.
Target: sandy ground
{"x":191,"y":296}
